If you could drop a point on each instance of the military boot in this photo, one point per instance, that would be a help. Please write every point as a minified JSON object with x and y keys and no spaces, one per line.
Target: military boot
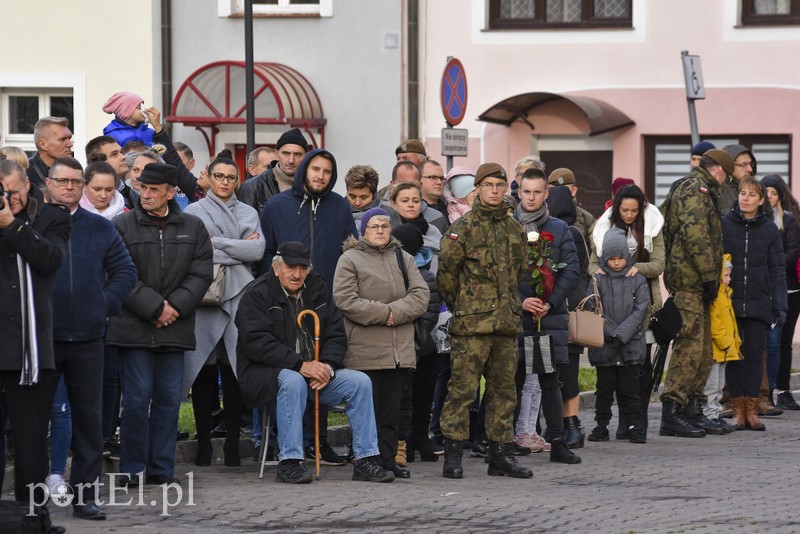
{"x":452,"y":459}
{"x":695,"y":416}
{"x":674,"y":424}
{"x":503,"y":463}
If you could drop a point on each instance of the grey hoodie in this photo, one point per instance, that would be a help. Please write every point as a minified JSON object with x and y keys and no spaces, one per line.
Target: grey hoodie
{"x":625,"y":302}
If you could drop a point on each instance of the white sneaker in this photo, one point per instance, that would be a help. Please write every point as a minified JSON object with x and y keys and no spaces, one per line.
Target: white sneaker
{"x":52,"y":481}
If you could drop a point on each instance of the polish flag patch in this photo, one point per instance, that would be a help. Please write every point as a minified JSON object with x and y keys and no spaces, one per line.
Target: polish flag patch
{"x":703,"y":190}
{"x":453,"y":236}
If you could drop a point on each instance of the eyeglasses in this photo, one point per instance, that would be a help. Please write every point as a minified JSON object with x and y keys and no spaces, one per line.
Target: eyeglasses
{"x":493,"y":185}
{"x":218,"y":176}
{"x":433,"y":177}
{"x":378,"y":227}
{"x":61,"y":182}
{"x":743,"y":165}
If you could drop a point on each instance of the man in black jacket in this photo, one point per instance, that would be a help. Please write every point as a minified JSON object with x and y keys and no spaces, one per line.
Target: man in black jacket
{"x":94,"y":280}
{"x":275,"y":361}
{"x":33,"y":238}
{"x":174,"y":259}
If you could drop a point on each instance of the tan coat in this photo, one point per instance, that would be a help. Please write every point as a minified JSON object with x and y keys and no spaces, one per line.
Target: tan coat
{"x":367,"y":286}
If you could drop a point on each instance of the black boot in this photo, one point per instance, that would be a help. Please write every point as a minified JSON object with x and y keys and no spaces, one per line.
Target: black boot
{"x":503,"y":463}
{"x":452,"y":459}
{"x":573,"y":433}
{"x":421,"y":442}
{"x":203,"y":391}
{"x":232,"y":416}
{"x":695,"y":416}
{"x":623,"y":432}
{"x":673,"y":422}
{"x":560,"y":453}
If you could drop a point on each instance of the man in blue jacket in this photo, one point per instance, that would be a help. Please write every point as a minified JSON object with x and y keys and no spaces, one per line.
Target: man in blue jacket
{"x":94,"y":280}
{"x":311,"y":213}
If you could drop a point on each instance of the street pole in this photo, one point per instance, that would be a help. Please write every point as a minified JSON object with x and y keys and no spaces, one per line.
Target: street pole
{"x":249,"y":80}
{"x":695,"y":90}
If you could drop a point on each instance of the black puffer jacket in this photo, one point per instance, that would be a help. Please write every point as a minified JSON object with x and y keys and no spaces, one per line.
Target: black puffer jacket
{"x":257,"y":190}
{"x":758,"y":278}
{"x":267,"y":334}
{"x":174,"y":264}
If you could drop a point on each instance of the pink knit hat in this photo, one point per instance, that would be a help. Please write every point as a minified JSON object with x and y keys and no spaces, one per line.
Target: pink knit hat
{"x":122,"y":104}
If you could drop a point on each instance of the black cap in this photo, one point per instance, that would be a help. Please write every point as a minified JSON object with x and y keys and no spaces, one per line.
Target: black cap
{"x":159,"y":173}
{"x":292,"y":137}
{"x":294,"y":253}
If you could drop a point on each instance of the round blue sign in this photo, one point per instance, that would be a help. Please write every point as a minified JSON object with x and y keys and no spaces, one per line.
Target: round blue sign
{"x":454,"y":92}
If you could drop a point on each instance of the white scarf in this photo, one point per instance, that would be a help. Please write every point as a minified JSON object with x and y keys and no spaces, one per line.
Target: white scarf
{"x":653,"y":222}
{"x":116,"y":206}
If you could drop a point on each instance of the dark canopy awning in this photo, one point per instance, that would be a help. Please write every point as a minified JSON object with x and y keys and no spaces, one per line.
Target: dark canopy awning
{"x":602,"y":117}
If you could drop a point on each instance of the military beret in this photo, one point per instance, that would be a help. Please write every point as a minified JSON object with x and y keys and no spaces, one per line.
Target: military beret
{"x":561,"y":176}
{"x":489,"y":169}
{"x":159,"y":173}
{"x":412,"y":145}
{"x":721,"y":158}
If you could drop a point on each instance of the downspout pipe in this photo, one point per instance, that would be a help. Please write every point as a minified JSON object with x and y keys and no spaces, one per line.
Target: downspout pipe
{"x":166,"y":61}
{"x":413,"y":69}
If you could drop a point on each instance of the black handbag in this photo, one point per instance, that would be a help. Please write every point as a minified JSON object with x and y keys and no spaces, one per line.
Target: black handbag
{"x":666,"y":322}
{"x":423,"y":340}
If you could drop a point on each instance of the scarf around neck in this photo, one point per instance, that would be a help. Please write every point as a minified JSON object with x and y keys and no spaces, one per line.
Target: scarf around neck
{"x":116,"y":206}
{"x":532,"y":221}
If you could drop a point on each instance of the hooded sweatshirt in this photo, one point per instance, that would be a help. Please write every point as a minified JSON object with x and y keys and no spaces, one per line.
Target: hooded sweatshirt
{"x":625,"y":302}
{"x":322,"y":220}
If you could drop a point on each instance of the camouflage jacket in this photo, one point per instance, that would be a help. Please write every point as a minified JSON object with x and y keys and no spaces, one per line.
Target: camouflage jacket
{"x":584,"y":221}
{"x":482,"y":257}
{"x":692,"y":224}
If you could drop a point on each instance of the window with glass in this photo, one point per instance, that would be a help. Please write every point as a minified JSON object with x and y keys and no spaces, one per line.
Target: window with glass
{"x":21,"y":108}
{"x":770,"y":12}
{"x":549,"y":14}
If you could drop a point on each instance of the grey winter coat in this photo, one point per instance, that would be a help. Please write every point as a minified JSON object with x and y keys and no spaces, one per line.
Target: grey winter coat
{"x":626,"y":300}
{"x":367,"y":287}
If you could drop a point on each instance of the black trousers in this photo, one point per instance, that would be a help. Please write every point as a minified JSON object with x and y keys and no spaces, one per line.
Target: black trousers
{"x":744,"y":376}
{"x":205,"y":390}
{"x":552,"y":402}
{"x":28,"y":410}
{"x":82,"y":367}
{"x":787,"y":335}
{"x":387,"y":389}
{"x":624,"y":379}
{"x":424,"y":383}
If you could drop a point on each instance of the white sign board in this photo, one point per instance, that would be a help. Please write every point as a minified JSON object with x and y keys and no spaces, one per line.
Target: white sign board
{"x":455,"y":141}
{"x":693,"y":76}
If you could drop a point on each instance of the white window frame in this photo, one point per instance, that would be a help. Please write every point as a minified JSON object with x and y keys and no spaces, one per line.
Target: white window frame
{"x":25,"y":141}
{"x":231,"y":8}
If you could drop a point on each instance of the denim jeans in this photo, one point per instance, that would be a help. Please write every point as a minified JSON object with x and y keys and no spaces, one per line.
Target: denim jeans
{"x":151,"y":400}
{"x":773,"y":354}
{"x":60,"y":429}
{"x":349,"y":386}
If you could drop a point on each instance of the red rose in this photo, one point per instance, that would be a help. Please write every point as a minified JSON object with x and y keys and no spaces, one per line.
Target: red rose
{"x":547,"y":236}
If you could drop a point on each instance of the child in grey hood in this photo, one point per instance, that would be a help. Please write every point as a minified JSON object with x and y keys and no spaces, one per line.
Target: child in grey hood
{"x":625,"y":299}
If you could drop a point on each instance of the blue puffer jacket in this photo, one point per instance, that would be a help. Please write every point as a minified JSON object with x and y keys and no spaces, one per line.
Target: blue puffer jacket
{"x":324,"y":221}
{"x":94,"y":280}
{"x":758,"y":278}
{"x":555,"y":323}
{"x":124,"y":132}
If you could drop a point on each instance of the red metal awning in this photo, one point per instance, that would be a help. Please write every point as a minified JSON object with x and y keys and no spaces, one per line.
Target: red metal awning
{"x":214,"y":95}
{"x":601,"y":116}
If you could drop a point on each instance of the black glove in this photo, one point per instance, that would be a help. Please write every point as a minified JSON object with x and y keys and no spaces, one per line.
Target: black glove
{"x":710,"y":290}
{"x":779,"y":318}
{"x":616,"y":343}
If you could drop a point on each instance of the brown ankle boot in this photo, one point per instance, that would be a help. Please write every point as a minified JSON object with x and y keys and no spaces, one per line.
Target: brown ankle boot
{"x":738,"y":405}
{"x":400,"y":457}
{"x":751,"y":417}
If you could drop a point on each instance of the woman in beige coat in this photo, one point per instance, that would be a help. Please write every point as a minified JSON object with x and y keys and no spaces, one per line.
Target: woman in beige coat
{"x":379,"y":303}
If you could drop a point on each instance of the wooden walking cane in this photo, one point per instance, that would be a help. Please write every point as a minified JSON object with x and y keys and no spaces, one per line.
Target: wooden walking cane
{"x":314,"y":316}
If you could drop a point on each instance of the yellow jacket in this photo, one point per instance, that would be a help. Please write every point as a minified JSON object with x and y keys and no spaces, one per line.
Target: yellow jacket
{"x":724,"y":332}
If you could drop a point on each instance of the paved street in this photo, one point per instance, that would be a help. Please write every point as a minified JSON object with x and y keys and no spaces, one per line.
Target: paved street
{"x":742,"y":482}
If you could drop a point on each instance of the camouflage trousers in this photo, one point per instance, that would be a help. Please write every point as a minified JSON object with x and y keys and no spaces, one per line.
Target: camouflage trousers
{"x":692,"y":357}
{"x":495,"y":357}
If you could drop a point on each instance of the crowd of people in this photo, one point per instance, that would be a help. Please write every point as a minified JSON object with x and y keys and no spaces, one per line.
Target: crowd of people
{"x":132,"y":283}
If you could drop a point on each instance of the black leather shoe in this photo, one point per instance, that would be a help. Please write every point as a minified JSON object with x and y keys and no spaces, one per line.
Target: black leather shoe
{"x":127,"y":481}
{"x":368,"y":470}
{"x":158,"y":480}
{"x":480,"y":449}
{"x":673,"y":423}
{"x":399,"y":472}
{"x":88,"y":510}
{"x":519,"y":450}
{"x":293,"y":472}
{"x":560,"y":453}
{"x":786,"y":401}
{"x":452,"y":459}
{"x":693,"y":412}
{"x":503,"y":463}
{"x":600,"y":433}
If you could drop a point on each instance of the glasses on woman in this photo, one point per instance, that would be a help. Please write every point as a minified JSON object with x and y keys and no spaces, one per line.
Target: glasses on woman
{"x":378,"y":227}
{"x":218,"y":176}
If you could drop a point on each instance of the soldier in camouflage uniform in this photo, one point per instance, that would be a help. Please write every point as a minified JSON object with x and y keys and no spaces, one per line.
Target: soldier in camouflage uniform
{"x":693,"y":238}
{"x":481,"y":259}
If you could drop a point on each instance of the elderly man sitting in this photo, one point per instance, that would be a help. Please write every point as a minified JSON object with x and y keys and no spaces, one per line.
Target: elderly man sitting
{"x":275,"y":362}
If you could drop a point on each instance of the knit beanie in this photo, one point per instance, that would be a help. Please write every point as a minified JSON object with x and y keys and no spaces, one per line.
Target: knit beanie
{"x":618,"y":184}
{"x":370,"y":214}
{"x":461,"y":185}
{"x":122,"y":104}
{"x":774,"y":181}
{"x":615,"y":244}
{"x":292,"y":137}
{"x":701,"y":148}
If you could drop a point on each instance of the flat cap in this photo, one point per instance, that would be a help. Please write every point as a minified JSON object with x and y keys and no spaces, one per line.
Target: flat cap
{"x":159,"y":173}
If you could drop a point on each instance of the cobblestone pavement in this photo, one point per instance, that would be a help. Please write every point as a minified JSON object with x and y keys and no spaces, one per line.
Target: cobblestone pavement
{"x":742,"y":482}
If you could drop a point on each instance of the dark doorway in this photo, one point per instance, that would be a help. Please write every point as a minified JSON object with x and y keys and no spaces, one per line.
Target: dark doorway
{"x":592,"y":169}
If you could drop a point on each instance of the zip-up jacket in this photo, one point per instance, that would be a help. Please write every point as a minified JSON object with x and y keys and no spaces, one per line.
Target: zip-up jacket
{"x":174,"y":261}
{"x":758,"y":278}
{"x":321,"y":220}
{"x":95,"y":278}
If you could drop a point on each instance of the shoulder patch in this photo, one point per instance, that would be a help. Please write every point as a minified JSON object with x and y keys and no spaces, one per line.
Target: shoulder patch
{"x":453,"y":236}
{"x":703,"y":190}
